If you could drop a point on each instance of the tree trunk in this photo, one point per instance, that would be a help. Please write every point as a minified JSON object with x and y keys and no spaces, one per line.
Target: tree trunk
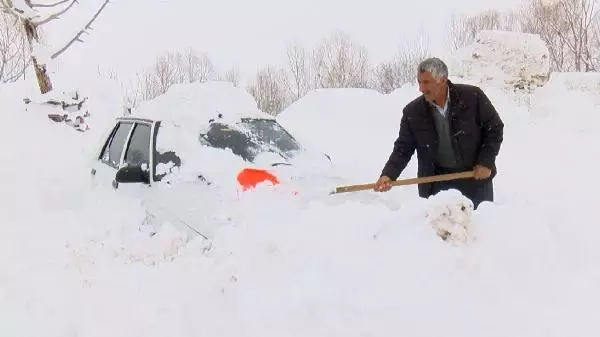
{"x":42,"y":77}
{"x":40,"y":70}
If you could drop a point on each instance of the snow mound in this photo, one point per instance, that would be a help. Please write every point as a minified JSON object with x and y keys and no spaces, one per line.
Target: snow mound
{"x":449,"y":213}
{"x":198,"y":103}
{"x":510,"y":60}
{"x":357,"y":119}
{"x":586,"y":83}
{"x":76,"y":262}
{"x":576,"y":95}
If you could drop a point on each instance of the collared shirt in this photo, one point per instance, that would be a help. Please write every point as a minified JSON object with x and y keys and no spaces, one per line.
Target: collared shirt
{"x":443,"y":111}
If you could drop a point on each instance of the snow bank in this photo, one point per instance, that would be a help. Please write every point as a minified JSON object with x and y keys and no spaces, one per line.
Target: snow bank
{"x":77,"y":262}
{"x":504,"y":59}
{"x":583,"y":83}
{"x":197,"y":103}
{"x":569,"y":101}
{"x":356,"y":127}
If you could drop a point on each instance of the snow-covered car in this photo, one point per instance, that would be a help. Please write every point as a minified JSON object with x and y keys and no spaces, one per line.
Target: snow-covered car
{"x":191,"y":151}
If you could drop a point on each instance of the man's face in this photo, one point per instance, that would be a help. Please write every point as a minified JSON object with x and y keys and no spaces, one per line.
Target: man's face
{"x":430,"y":87}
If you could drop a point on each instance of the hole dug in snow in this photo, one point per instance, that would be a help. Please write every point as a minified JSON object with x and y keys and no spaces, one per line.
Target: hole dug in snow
{"x":449,"y":214}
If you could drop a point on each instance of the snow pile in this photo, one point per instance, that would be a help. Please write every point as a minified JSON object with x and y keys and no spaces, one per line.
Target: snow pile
{"x":588,"y":83}
{"x":358,"y":127}
{"x":577,"y":96}
{"x":186,"y":111}
{"x":575,"y":85}
{"x":82,"y":263}
{"x":198,"y":103}
{"x":353,"y":126}
{"x":86,"y":106}
{"x":450,"y":216}
{"x":509,"y":60}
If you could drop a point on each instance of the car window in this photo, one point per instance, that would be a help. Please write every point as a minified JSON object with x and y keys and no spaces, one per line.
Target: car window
{"x":165,"y":160}
{"x":254,"y":136}
{"x":223,"y":137}
{"x":111,"y":154}
{"x":138,"y":151}
{"x":165,"y":163}
{"x":270,"y":132}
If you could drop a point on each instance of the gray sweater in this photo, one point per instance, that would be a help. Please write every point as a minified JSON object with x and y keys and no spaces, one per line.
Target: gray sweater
{"x":446,"y":156}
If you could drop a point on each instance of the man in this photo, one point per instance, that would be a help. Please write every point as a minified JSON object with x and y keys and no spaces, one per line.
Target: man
{"x":453,"y":128}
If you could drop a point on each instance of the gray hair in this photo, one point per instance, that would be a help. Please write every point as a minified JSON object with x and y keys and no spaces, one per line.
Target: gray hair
{"x":435,"y":66}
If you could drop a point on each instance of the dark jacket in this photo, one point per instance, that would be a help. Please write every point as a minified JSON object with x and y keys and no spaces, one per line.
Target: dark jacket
{"x":476,"y":129}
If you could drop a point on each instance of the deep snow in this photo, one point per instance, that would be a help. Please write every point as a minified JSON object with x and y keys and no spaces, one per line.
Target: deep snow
{"x":76,"y":261}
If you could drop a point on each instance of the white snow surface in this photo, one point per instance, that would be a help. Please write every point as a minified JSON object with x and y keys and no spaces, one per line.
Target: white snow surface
{"x":351,"y":125}
{"x":502,"y":58}
{"x":75,"y":259}
{"x":197,"y":103}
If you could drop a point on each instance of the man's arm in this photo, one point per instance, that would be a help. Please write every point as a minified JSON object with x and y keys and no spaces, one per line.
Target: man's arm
{"x":404,"y":147}
{"x":492,"y":131}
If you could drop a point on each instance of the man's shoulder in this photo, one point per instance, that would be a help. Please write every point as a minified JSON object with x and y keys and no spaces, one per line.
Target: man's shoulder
{"x":463,"y":88}
{"x":415,"y":105}
{"x":467,"y":92}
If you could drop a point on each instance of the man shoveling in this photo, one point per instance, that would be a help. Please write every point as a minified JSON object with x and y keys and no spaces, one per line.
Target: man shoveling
{"x":453,"y":128}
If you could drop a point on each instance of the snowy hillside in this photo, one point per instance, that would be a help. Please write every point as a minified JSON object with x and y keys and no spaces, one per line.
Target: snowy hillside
{"x":75,"y":262}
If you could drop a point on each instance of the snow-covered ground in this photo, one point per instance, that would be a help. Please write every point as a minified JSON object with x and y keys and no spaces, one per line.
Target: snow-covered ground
{"x":73,"y":261}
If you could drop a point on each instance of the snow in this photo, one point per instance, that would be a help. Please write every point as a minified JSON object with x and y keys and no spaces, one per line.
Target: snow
{"x":348,"y":119}
{"x":503,"y":58}
{"x":77,"y":260}
{"x":200,"y":102}
{"x":186,"y":111}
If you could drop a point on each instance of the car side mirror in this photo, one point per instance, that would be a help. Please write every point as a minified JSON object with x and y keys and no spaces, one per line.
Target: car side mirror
{"x":132,"y":174}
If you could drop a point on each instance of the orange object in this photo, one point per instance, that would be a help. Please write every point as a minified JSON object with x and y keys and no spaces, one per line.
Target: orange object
{"x":249,"y":177}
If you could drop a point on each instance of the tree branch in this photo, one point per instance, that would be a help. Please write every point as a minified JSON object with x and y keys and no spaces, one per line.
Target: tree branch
{"x":81,"y":32}
{"x":56,"y":15}
{"x":32,"y":5}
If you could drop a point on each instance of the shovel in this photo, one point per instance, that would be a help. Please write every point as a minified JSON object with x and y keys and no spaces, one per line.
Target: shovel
{"x":410,"y":181}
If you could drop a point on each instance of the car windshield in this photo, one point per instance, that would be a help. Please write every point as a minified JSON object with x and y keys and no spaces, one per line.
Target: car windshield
{"x":250,"y":137}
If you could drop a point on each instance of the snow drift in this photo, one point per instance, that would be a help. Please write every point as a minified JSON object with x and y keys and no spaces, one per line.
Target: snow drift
{"x":508,"y":60}
{"x":75,"y":263}
{"x":350,"y":125}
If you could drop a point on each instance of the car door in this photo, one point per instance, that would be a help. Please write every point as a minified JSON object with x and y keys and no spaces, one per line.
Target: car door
{"x":109,"y":158}
{"x":129,"y":144}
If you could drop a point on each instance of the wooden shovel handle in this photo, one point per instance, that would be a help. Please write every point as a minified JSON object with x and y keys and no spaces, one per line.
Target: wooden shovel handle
{"x":410,"y":181}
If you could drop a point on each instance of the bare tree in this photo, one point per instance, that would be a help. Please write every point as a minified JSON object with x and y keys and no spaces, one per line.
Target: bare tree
{"x":173,"y":68}
{"x":568,"y":29}
{"x":594,"y":43}
{"x":299,"y":70}
{"x":232,"y":75}
{"x":535,"y":19}
{"x":340,"y":63}
{"x":462,"y":30}
{"x":31,"y":18}
{"x":196,"y":67}
{"x":580,"y":15}
{"x":269,"y":90}
{"x":403,"y":68}
{"x":14,"y":57}
{"x":167,"y":71}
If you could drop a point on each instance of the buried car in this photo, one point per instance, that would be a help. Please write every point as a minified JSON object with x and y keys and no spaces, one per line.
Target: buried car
{"x":189,"y":153}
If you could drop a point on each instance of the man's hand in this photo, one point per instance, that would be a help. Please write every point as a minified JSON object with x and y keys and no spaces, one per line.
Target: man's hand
{"x":482,"y":172}
{"x":383,"y":184}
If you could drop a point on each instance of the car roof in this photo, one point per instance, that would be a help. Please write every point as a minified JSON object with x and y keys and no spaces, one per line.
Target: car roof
{"x":196,"y":105}
{"x":135,"y":119}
